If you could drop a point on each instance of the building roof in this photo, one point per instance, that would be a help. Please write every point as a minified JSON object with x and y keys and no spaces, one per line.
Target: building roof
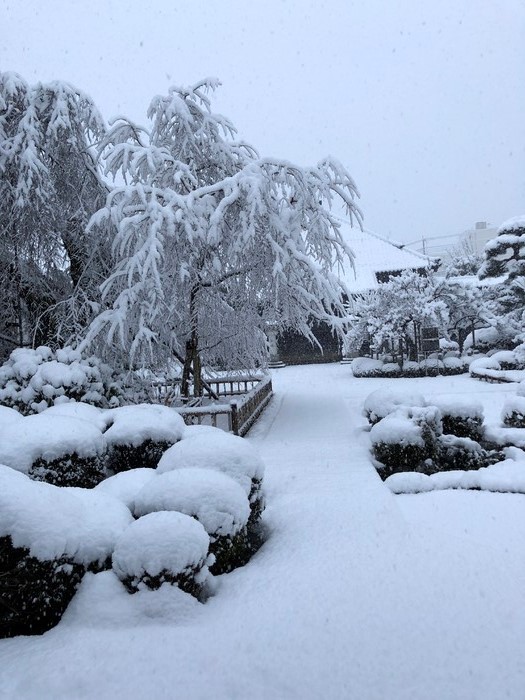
{"x":374,"y":254}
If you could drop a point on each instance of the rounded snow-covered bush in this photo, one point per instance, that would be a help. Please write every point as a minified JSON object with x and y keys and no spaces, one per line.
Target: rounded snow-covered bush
{"x":454,"y":365}
{"x":398,"y":443}
{"x":163,"y":547}
{"x":391,"y":369}
{"x":432,"y":367}
{"x":139,"y":435}
{"x":57,"y":449}
{"x":381,"y":402}
{"x":513,"y":414}
{"x":411,"y":369}
{"x":33,"y":380}
{"x":126,"y":485}
{"x":78,"y":409}
{"x":223,"y":452}
{"x":461,"y":417}
{"x":49,"y":537}
{"x":463,"y":453}
{"x":214,"y":499}
{"x":366,"y":367}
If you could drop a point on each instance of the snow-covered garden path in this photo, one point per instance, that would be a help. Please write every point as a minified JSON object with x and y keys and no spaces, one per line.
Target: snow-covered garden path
{"x":352,"y":596}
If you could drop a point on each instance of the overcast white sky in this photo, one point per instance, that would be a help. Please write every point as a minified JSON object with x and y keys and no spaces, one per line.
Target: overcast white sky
{"x":422,"y":101}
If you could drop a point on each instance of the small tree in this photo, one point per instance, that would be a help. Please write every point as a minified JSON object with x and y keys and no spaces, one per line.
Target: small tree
{"x":395,"y":311}
{"x":212,"y":241}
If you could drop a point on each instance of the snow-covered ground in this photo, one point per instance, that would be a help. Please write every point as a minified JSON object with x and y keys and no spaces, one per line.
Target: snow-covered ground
{"x":356,"y":594}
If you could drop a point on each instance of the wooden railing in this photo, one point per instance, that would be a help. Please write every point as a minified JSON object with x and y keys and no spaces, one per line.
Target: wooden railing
{"x":168,"y":391}
{"x":236,"y":416}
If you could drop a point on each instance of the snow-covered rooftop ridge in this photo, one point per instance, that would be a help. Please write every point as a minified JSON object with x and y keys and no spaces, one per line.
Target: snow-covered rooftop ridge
{"x":513,"y":224}
{"x":374,"y":254}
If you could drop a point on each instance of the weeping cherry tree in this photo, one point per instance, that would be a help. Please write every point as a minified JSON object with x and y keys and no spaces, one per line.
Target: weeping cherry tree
{"x":212,"y":242}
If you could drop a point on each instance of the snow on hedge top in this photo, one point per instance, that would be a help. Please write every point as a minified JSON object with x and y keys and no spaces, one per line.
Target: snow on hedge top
{"x":459,"y":407}
{"x":397,"y":428}
{"x":54,"y":522}
{"x":132,"y":425}
{"x":506,"y":476}
{"x":79,"y":409}
{"x":514,"y":224}
{"x":48,"y":437}
{"x":126,"y":485}
{"x":160,"y":541}
{"x":381,"y":402}
{"x":221,"y":451}
{"x":216,"y":500}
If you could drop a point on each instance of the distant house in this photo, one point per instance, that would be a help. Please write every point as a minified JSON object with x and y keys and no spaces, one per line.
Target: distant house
{"x":376,"y":261}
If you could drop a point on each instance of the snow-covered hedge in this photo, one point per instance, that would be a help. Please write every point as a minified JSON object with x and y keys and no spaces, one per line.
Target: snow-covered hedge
{"x":163,"y":547}
{"x":410,"y":438}
{"x":461,"y":417}
{"x":61,"y":450}
{"x":217,"y":501}
{"x":33,"y":380}
{"x":507,"y":476}
{"x":367,"y":367}
{"x":398,"y":442}
{"x":513,"y":414}
{"x":223,"y":452}
{"x":381,"y":402}
{"x":139,"y":435}
{"x":503,"y":366}
{"x":49,"y":537}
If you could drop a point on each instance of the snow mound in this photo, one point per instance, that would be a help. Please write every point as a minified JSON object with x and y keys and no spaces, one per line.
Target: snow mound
{"x":216,"y":500}
{"x":133,"y":425}
{"x":79,"y":409}
{"x":506,"y":476}
{"x":381,"y":402}
{"x":126,"y":485}
{"x":8,"y":416}
{"x":53,"y":522}
{"x":397,"y":429}
{"x":48,"y":437}
{"x":230,"y":454}
{"x":163,"y":541}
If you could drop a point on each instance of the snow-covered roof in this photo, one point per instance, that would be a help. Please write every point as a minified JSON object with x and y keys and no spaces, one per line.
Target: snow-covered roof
{"x":374,"y":254}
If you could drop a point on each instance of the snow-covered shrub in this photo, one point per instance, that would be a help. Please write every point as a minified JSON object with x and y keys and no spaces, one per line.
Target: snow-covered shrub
{"x":163,"y":547}
{"x":391,"y":369}
{"x":85,"y":411}
{"x":454,"y":365}
{"x":398,"y":443}
{"x":214,"y":499}
{"x":49,"y":537}
{"x":225,"y":453}
{"x":139,"y":435}
{"x":411,"y":369}
{"x":125,"y":486}
{"x":485,"y":339}
{"x":366,"y":367}
{"x":381,"y":402}
{"x":463,"y":453}
{"x":33,"y":380}
{"x":461,"y":417}
{"x":60,"y":450}
{"x":513,"y":414}
{"x":432,"y":367}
